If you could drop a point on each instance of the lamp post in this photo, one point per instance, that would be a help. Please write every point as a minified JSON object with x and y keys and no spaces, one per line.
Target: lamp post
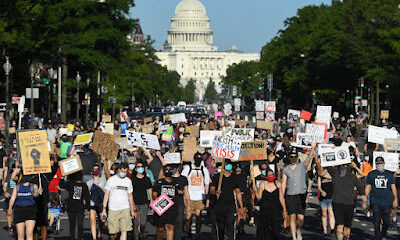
{"x":32,"y":70}
{"x":7,"y":68}
{"x":78,"y":79}
{"x":87,"y":102}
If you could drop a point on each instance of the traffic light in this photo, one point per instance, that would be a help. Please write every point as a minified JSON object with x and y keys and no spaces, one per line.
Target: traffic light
{"x":313,"y":93}
{"x":260,"y":84}
{"x":362,"y":82}
{"x":240,"y":92}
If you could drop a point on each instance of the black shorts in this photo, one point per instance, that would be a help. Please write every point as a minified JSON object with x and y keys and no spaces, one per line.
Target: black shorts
{"x":296,"y":204}
{"x":343,"y":214}
{"x":169,"y":217}
{"x":98,"y":209}
{"x":22,"y":214}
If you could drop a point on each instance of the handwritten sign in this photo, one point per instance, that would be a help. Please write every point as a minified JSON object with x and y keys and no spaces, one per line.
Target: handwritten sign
{"x":304,"y":140}
{"x":194,"y":131}
{"x":143,"y":140}
{"x":109,"y":128}
{"x":241,"y":134}
{"x":83,"y":139}
{"x":34,"y":151}
{"x":240,"y":123}
{"x":226,"y":147}
{"x":161,"y":204}
{"x":106,"y":118}
{"x":378,"y":134}
{"x":207,"y":137}
{"x":384,"y":114}
{"x":148,"y":128}
{"x":177,"y":118}
{"x":256,"y":150}
{"x":172,"y":158}
{"x":148,"y":120}
{"x":392,"y":144}
{"x":70,"y":165}
{"x":270,"y":106}
{"x":267,"y":125}
{"x":104,"y":144}
{"x":189,"y":148}
{"x":334,"y":156}
{"x":317,"y":130}
{"x":391,"y":160}
{"x":323,"y":114}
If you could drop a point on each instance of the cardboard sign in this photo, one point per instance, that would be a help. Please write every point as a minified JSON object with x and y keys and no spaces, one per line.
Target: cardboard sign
{"x":240,"y":123}
{"x":104,"y":144}
{"x":334,"y":156}
{"x":384,"y":114}
{"x":218,"y":114}
{"x":123,"y":143}
{"x":83,"y":139}
{"x":34,"y":151}
{"x":259,"y":105}
{"x":207,"y":138}
{"x":226,"y":147}
{"x":70,"y":165}
{"x":189,"y":148}
{"x":392,"y":144}
{"x":391,"y":160}
{"x":267,"y":125}
{"x":256,"y":150}
{"x":172,"y":158}
{"x":323,"y":114}
{"x":194,"y":131}
{"x":319,"y":130}
{"x":270,"y":106}
{"x":161,"y":204}
{"x":241,"y":134}
{"x":304,"y":140}
{"x":106,"y":118}
{"x":378,"y":134}
{"x":148,"y":120}
{"x":148,"y":128}
{"x":109,"y":128}
{"x":305,"y":115}
{"x":177,"y":118}
{"x":143,"y":140}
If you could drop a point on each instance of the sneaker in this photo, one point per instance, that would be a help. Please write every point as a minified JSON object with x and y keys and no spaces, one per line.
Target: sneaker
{"x":368,"y":214}
{"x":251,"y":222}
{"x":299,"y":236}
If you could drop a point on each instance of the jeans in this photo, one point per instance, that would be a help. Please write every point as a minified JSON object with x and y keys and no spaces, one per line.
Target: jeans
{"x":140,"y":222}
{"x":179,"y":222}
{"x":76,"y":218}
{"x":381,"y":212}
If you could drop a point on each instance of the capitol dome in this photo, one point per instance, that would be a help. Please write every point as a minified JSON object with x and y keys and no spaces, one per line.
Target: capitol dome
{"x":190,"y":29}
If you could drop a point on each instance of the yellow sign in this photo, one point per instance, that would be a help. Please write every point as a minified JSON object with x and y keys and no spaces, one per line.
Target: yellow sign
{"x":71,"y":127}
{"x":34,"y":151}
{"x":83,"y":139}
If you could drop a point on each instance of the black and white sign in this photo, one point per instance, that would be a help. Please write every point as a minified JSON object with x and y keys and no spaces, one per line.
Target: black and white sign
{"x":334,"y":156}
{"x":304,"y":140}
{"x":142,"y":140}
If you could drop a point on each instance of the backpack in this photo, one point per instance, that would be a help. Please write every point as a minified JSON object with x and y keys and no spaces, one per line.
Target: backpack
{"x":201,"y":169}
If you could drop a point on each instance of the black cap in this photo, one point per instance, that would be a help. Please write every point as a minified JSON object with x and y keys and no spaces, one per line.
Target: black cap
{"x":379,"y":160}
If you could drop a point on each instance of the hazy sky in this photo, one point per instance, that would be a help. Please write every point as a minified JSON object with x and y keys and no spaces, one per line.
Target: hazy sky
{"x":248,"y":24}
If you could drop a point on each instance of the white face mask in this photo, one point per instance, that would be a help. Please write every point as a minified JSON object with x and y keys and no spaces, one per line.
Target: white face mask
{"x":131,"y":167}
{"x":112,"y":172}
{"x":380,"y":167}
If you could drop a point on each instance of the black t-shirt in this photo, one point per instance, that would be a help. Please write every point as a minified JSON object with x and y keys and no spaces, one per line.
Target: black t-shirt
{"x":155,"y":167}
{"x":284,"y":126}
{"x":183,"y":182}
{"x":78,"y":195}
{"x":169,"y":188}
{"x":140,"y":186}
{"x":229,"y":184}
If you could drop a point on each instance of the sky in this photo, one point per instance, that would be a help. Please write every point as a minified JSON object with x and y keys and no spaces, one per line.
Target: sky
{"x":247,"y":24}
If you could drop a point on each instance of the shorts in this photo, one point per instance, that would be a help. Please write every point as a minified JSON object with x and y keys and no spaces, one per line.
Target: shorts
{"x":119,"y":221}
{"x":196,"y":205}
{"x":343,"y":214}
{"x":325,"y":203}
{"x":168,"y":217}
{"x":22,"y":214}
{"x":98,"y":209}
{"x":296,"y":204}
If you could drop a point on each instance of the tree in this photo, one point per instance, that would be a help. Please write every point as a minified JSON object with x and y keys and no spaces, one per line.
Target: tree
{"x":210,"y":93}
{"x":189,"y":92}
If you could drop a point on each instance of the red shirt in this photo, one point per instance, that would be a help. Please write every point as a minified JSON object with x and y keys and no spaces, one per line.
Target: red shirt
{"x":55,"y":181}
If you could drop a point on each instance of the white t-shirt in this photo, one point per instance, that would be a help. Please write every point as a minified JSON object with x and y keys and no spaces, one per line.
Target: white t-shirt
{"x":119,"y":190}
{"x":196,"y":182}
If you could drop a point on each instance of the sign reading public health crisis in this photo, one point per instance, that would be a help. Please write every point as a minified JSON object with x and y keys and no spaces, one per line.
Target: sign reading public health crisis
{"x":226,"y":147}
{"x":34,"y":151}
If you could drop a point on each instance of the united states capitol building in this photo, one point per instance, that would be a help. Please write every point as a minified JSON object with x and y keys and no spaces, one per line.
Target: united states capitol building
{"x":189,"y":49}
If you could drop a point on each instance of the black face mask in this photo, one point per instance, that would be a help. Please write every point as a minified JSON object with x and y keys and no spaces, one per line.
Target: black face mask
{"x":169,"y":172}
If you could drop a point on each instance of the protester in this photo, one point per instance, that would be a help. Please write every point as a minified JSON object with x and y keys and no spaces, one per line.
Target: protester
{"x":325,"y":201}
{"x":8,"y":187}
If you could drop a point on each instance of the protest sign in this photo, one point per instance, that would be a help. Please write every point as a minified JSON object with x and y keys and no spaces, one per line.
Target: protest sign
{"x":226,"y":147}
{"x":104,"y":144}
{"x":321,"y":146}
{"x":259,"y":105}
{"x":172,"y":158}
{"x":256,"y":150}
{"x":237,"y":102}
{"x":167,"y":135}
{"x":63,"y":131}
{"x":391,"y":160}
{"x":334,"y":156}
{"x":177,"y":118}
{"x":12,"y":130}
{"x":270,"y":106}
{"x":392,"y":144}
{"x":305,"y":115}
{"x":335,"y":114}
{"x":260,"y":115}
{"x":71,"y":127}
{"x":194,"y":131}
{"x":142,"y":140}
{"x":207,"y":137}
{"x":162,"y":203}
{"x":241,"y":134}
{"x":218,"y":114}
{"x":123,"y":143}
{"x":124,"y":126}
{"x":304,"y":140}
{"x":148,"y":128}
{"x":148,"y":120}
{"x":237,"y":108}
{"x":189,"y":148}
{"x":267,"y":125}
{"x":323,"y":115}
{"x":293,"y":114}
{"x":378,"y":134}
{"x":384,"y":114}
{"x":70,"y":165}
{"x":270,"y":116}
{"x":83,"y":139}
{"x":227,"y":109}
{"x":240,"y":123}
{"x":106,"y":118}
{"x":109,"y":128}
{"x":319,"y":130}
{"x":124,"y":117}
{"x":34,"y":151}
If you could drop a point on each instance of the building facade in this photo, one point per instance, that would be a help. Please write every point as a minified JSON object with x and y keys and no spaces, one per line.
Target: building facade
{"x":189,"y":49}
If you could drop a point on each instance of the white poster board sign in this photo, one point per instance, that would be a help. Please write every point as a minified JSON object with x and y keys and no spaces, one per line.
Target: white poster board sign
{"x":304,"y":140}
{"x":259,"y":105}
{"x":177,"y":118}
{"x":172,"y":158}
{"x":207,"y":138}
{"x":391,"y":160}
{"x":226,"y":147}
{"x":241,"y":134}
{"x":315,"y":129}
{"x":142,"y":140}
{"x":293,"y":114}
{"x":378,"y":134}
{"x":323,"y":115}
{"x":270,"y":106}
{"x":334,"y":156}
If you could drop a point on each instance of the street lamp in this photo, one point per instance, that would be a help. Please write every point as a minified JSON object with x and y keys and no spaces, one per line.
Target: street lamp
{"x":7,"y":68}
{"x":78,"y":79}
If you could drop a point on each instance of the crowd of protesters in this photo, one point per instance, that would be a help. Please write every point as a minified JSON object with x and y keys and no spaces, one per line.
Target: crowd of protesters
{"x":115,"y":194}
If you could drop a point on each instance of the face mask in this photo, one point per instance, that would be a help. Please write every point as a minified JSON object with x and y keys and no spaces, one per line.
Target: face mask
{"x":140,"y":170}
{"x":96,"y":172}
{"x":228,"y":167}
{"x":174,"y":170}
{"x":112,"y":172}
{"x":131,"y":166}
{"x":122,"y":174}
{"x":65,"y":139}
{"x":293,"y":160}
{"x":380,"y":167}
{"x":168,"y":172}
{"x":271,"y":178}
{"x":264,"y":172}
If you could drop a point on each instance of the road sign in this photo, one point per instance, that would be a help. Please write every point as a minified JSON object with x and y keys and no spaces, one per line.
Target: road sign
{"x":15,"y":100}
{"x":35,"y":93}
{"x":45,"y":80}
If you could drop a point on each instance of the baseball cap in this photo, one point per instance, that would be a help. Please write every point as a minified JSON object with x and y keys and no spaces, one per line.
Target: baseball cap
{"x":379,"y":160}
